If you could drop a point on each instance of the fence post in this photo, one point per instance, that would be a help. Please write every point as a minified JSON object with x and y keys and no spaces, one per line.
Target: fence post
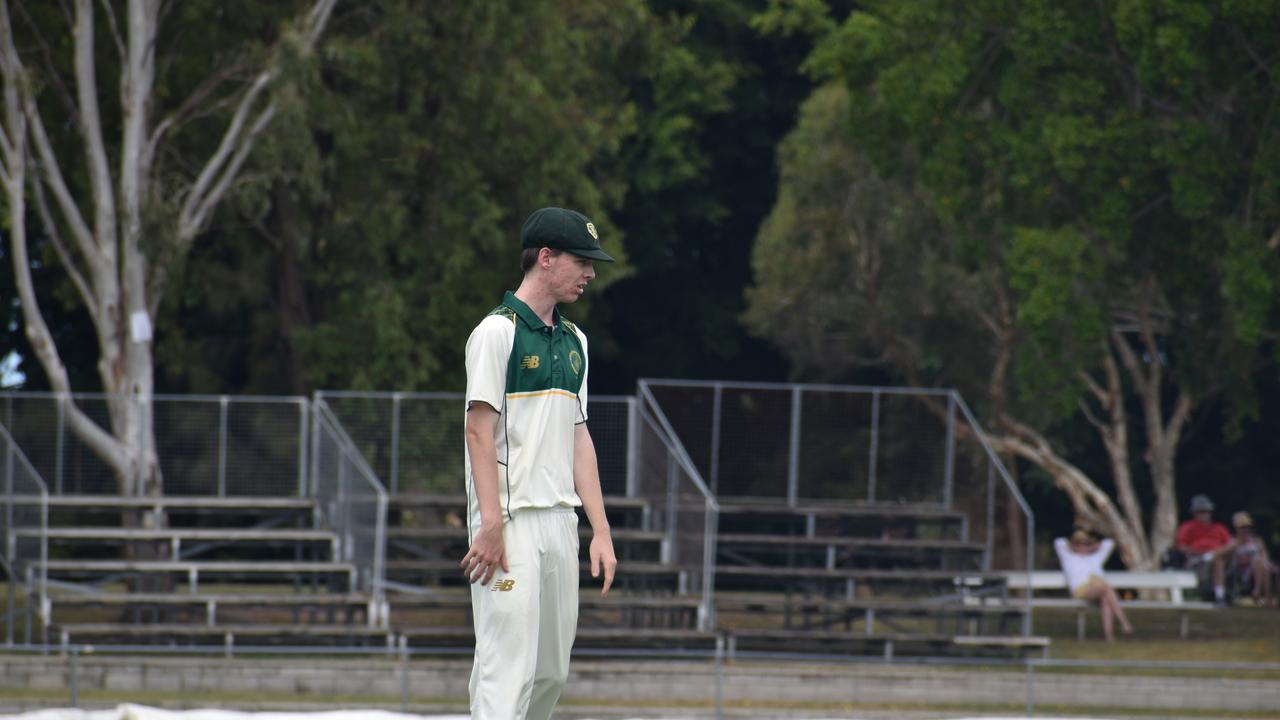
{"x":74,"y":675}
{"x":875,"y":445}
{"x":716,"y":405}
{"x":10,"y":553}
{"x":395,"y":442}
{"x":223,"y":402}
{"x":633,"y":447}
{"x":314,"y":465}
{"x":673,"y":496}
{"x":991,"y":519}
{"x":304,"y":445}
{"x":59,"y":448}
{"x":948,"y":472}
{"x":793,"y":459}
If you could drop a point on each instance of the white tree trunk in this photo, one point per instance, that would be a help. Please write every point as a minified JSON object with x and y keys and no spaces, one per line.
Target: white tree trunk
{"x":107,"y":260}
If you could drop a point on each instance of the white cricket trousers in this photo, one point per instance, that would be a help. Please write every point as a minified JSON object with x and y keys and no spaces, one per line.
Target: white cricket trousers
{"x":526,"y":618}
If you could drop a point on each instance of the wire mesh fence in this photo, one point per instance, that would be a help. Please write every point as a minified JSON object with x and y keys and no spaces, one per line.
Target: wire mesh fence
{"x":352,"y":502}
{"x":414,"y":441}
{"x":803,"y":444}
{"x":206,"y":445}
{"x":685,"y":511}
{"x":24,"y":523}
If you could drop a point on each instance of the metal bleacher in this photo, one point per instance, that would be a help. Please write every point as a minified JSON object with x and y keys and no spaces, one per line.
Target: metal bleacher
{"x":768,"y":518}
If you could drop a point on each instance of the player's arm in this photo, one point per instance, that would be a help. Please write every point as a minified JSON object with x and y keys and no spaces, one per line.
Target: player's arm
{"x":487,"y":552}
{"x":586,"y":480}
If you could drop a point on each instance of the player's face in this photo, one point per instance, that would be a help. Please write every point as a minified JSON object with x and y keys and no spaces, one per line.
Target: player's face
{"x":569,"y":276}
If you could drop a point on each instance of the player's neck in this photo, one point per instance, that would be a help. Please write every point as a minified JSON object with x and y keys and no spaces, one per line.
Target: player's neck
{"x":540,"y":301}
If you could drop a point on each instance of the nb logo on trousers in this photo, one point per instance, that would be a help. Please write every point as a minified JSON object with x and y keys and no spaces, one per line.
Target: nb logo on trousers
{"x":503,"y":585}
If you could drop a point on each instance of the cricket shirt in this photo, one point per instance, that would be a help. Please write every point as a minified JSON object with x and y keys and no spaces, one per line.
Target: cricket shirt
{"x":535,"y":376}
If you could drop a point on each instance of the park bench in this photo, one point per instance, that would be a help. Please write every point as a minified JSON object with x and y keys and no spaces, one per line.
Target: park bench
{"x":224,"y":635}
{"x":175,"y":537}
{"x":886,"y":645}
{"x":618,"y":609}
{"x":636,"y":576}
{"x":597,"y":639}
{"x":845,"y":582}
{"x":831,"y":551}
{"x":967,"y":618}
{"x":212,"y":606}
{"x":812,"y":519}
{"x":622,"y":511}
{"x":194,"y":569}
{"x":1169,"y":582}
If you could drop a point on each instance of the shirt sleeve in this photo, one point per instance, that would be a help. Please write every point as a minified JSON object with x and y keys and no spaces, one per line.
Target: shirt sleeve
{"x":488,"y":352}
{"x":1060,"y":547}
{"x":1104,"y":550}
{"x":586,"y":368}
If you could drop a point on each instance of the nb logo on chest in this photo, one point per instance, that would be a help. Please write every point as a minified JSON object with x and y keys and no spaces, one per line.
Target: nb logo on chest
{"x":530,"y":362}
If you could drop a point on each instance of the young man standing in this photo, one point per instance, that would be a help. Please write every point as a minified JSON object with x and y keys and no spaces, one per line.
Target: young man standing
{"x":530,"y":461}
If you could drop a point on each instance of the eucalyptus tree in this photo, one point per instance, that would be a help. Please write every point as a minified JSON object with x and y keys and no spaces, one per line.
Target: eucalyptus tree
{"x":121,"y":184}
{"x":1098,"y":194}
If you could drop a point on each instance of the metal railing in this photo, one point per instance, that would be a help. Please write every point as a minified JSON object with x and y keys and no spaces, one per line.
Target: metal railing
{"x":207,"y":444}
{"x":353,"y":503}
{"x":24,"y":522}
{"x":685,"y":509}
{"x":414,"y":441}
{"x":885,"y":446}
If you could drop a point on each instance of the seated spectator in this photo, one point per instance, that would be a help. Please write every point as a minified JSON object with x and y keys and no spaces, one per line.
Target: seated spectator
{"x":1251,"y":566}
{"x":1203,"y":545}
{"x":1082,"y":559}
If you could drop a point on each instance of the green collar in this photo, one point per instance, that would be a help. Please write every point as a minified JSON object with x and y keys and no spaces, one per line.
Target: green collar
{"x":528,"y":315}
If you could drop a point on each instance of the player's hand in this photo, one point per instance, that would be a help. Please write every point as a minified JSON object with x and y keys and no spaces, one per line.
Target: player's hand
{"x":602,"y":559}
{"x":487,"y":554}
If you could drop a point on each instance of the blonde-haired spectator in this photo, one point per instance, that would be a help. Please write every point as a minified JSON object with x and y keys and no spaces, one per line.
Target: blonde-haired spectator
{"x":1082,"y":558}
{"x":1251,"y":566}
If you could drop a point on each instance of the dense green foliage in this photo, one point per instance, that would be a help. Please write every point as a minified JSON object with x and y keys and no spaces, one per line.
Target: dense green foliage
{"x":1020,"y":191}
{"x":970,"y":188}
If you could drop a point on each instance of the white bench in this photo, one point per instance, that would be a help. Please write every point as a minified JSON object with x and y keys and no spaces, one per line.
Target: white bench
{"x":1173,"y":582}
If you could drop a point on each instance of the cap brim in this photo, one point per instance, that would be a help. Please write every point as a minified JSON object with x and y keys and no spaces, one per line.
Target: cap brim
{"x":593,"y":254}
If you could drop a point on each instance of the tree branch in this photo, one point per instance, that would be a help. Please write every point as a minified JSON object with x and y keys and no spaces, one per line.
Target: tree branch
{"x":68,"y":260}
{"x":52,"y":76}
{"x":1102,"y":427}
{"x":240,"y":134}
{"x":115,"y":29}
{"x":52,"y":174}
{"x":186,"y":111}
{"x":231,"y":140}
{"x":1181,"y":414}
{"x":104,"y":204}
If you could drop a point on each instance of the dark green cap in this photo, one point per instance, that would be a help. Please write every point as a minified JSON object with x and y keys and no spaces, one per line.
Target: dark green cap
{"x":561,"y":229}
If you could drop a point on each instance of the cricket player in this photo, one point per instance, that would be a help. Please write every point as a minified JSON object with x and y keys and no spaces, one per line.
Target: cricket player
{"x":530,"y":462}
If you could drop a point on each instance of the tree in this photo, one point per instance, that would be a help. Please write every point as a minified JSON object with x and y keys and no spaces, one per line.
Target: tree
{"x":1106,"y":192}
{"x":120,"y":233}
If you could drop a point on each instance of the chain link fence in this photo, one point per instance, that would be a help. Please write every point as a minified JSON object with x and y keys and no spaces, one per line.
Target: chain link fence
{"x":207,"y":445}
{"x":815,"y":444}
{"x":24,"y":523}
{"x":683,"y":509}
{"x":414,"y":441}
{"x":353,"y":504}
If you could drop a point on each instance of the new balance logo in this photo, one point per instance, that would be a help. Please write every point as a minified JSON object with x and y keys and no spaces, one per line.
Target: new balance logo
{"x":530,"y":362}
{"x":503,"y":585}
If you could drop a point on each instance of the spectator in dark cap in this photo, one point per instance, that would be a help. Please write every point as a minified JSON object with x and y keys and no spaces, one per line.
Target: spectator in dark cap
{"x":1204,"y":545}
